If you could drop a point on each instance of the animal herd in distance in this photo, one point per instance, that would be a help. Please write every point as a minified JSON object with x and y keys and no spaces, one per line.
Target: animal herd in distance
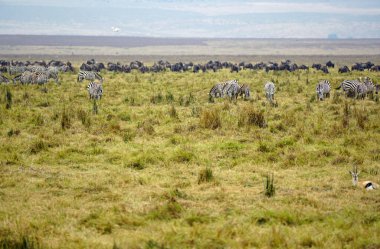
{"x":40,"y":74}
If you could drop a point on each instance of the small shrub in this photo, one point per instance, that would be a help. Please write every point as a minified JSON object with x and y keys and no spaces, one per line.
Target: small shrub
{"x":169,"y":97}
{"x":38,"y":146}
{"x":173,"y":112}
{"x":205,"y":175}
{"x":183,"y":156}
{"x":156,"y":99}
{"x":84,"y":117}
{"x":12,"y":133}
{"x":346,"y":116}
{"x":65,"y":120}
{"x":250,"y":116}
{"x":269,"y":189}
{"x":129,"y":135}
{"x":8,"y":99}
{"x":210,"y":119}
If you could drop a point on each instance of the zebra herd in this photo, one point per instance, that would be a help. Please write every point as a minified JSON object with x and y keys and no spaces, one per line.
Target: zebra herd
{"x":230,"y":89}
{"x":33,"y":74}
{"x":359,"y":88}
{"x":352,"y":88}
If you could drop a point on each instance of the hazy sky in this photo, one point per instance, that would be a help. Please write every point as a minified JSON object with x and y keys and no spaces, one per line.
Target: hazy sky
{"x":193,"y":18}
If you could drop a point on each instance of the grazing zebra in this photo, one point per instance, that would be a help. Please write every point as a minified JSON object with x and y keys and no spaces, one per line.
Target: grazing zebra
{"x":244,"y":90}
{"x":24,"y":78}
{"x":370,"y":86}
{"x":3,"y":79}
{"x":43,"y":77}
{"x":269,"y":91}
{"x":361,"y":91}
{"x":216,"y":91}
{"x":349,"y":87}
{"x":323,"y":89}
{"x":88,"y":75}
{"x":36,"y":68}
{"x":233,"y":90}
{"x":226,"y":85}
{"x":95,"y":90}
{"x":16,"y":69}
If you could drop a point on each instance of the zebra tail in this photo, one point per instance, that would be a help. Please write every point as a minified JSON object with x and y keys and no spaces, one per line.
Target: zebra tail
{"x":339,"y":87}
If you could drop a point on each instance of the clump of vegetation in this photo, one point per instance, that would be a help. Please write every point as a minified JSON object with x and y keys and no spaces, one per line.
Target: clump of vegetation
{"x":173,"y":112}
{"x":269,"y":189}
{"x":361,"y":117}
{"x":205,"y":175}
{"x":8,"y":99}
{"x":129,"y":135}
{"x":251,"y":117}
{"x":84,"y":117}
{"x":65,"y":119}
{"x":38,"y":146}
{"x":24,"y":242}
{"x":210,"y":119}
{"x":346,"y":116}
{"x":156,"y":99}
{"x":169,"y":97}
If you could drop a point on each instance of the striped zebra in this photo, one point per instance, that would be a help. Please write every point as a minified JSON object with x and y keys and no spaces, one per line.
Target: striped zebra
{"x":88,"y":75}
{"x":270,"y":89}
{"x":36,"y":69}
{"x":244,"y":90}
{"x":43,"y":78}
{"x":95,"y":90}
{"x":361,"y":91}
{"x":323,"y":89}
{"x":16,"y":69}
{"x":3,"y":79}
{"x":349,"y":87}
{"x":233,"y":90}
{"x":226,"y":85}
{"x":216,"y":91}
{"x":24,"y":78}
{"x":370,"y":86}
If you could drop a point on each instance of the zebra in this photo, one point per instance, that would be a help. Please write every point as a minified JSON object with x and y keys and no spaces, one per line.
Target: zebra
{"x":89,"y":75}
{"x":349,"y":87}
{"x":36,"y":68}
{"x":269,"y":91}
{"x":16,"y":69}
{"x":3,"y":79}
{"x":361,"y":90}
{"x":233,"y":90}
{"x":323,"y":89}
{"x":95,"y":90}
{"x":216,"y":91}
{"x":43,"y":78}
{"x":226,"y":85}
{"x":244,"y":90}
{"x":24,"y":78}
{"x":370,"y":86}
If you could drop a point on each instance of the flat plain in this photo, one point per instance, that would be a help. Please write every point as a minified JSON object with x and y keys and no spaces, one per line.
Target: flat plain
{"x":159,"y":166}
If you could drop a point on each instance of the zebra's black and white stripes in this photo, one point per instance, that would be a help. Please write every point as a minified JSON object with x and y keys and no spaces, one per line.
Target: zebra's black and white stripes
{"x":95,"y":90}
{"x":323,"y":89}
{"x":350,"y":87}
{"x":269,"y":89}
{"x":89,"y":75}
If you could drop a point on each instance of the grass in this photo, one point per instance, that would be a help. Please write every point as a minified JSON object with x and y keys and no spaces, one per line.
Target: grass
{"x":168,"y":169}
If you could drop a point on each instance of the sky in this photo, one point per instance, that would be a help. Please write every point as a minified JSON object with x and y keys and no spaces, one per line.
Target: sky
{"x":193,"y":18}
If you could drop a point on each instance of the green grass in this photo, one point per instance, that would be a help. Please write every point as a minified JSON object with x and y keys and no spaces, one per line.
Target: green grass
{"x":158,"y":166}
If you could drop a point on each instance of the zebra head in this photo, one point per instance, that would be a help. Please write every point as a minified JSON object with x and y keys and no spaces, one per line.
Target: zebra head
{"x":355,"y":175}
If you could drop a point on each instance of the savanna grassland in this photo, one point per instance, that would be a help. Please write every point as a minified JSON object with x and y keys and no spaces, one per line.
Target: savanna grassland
{"x":159,"y":166}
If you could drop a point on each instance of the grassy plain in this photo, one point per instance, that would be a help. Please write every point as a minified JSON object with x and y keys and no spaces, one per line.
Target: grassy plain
{"x":149,"y":171}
